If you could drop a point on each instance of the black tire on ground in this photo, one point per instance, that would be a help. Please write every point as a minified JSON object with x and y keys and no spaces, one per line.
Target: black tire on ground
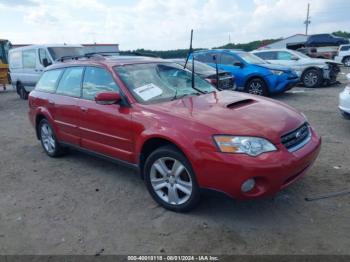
{"x":346,"y":61}
{"x":186,"y":202}
{"x":256,"y":86}
{"x":23,"y":94}
{"x":312,"y":78}
{"x":54,"y":149}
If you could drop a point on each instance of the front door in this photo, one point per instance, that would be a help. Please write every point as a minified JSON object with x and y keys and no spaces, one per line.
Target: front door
{"x":105,"y":129}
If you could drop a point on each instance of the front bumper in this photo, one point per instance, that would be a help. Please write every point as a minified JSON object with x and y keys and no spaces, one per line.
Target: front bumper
{"x":282,"y":83}
{"x":272,"y":171}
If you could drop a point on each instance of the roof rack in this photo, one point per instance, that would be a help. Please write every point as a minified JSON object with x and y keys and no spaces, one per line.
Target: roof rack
{"x":96,"y":55}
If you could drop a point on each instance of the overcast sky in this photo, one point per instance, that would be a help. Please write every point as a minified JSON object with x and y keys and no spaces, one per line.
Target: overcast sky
{"x":165,"y":24}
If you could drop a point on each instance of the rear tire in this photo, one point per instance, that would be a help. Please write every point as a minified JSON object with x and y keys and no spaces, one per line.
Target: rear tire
{"x":170,"y":179}
{"x":256,"y":86}
{"x":312,"y":78}
{"x":49,"y":141}
{"x":23,"y":94}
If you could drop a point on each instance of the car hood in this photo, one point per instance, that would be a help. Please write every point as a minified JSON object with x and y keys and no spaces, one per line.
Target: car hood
{"x":234,"y":113}
{"x":274,"y":67}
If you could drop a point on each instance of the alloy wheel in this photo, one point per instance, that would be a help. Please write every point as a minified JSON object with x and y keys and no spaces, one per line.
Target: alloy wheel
{"x":256,"y":88}
{"x":171,"y":180}
{"x":310,"y":78}
{"x":47,"y":138}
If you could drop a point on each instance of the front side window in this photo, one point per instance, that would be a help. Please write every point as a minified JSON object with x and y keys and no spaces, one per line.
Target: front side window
{"x":284,"y":56}
{"x":42,"y":55}
{"x":97,"y":80}
{"x":158,"y":82}
{"x":70,"y":82}
{"x":228,"y":59}
{"x":48,"y":81}
{"x":29,"y":58}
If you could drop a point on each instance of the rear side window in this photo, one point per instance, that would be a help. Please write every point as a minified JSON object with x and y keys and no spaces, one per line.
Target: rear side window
{"x":15,"y":59}
{"x":48,"y":81}
{"x":97,"y":80}
{"x":204,"y":58}
{"x":266,"y":55}
{"x":70,"y":82}
{"x":29,"y":58}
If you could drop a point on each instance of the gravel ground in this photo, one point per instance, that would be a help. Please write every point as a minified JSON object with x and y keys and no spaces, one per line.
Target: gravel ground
{"x":79,"y":204}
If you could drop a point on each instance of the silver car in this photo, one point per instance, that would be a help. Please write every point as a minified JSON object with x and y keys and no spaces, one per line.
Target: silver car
{"x":313,"y":72}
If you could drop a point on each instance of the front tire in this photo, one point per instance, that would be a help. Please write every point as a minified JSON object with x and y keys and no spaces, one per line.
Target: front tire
{"x":170,"y":180}
{"x":311,"y":78}
{"x":48,"y":140}
{"x":346,"y":61}
{"x":256,"y":86}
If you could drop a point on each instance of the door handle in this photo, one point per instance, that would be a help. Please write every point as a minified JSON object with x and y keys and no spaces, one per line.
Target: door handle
{"x":51,"y":102}
{"x":84,"y":109}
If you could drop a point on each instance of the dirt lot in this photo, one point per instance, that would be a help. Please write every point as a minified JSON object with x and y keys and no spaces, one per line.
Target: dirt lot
{"x":83,"y":205}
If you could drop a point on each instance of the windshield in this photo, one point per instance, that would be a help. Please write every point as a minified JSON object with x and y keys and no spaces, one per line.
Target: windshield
{"x":4,"y":50}
{"x":59,"y":52}
{"x":158,"y":82}
{"x":251,"y":59}
{"x":199,"y":68}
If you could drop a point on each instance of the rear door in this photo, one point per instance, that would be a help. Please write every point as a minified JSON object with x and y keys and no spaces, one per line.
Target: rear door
{"x":106,"y":129}
{"x":64,"y":105}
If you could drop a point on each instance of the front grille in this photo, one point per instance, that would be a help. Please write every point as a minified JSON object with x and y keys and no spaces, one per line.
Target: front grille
{"x":297,"y":138}
{"x":226,"y":83}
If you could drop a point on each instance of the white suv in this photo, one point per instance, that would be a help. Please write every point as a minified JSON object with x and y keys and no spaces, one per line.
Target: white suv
{"x":343,"y":55}
{"x":313,"y":72}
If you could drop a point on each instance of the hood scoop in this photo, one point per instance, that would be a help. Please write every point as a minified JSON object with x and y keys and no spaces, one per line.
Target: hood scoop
{"x":240,"y":103}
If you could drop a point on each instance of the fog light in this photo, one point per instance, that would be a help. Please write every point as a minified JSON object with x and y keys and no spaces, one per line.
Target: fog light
{"x":248,"y":185}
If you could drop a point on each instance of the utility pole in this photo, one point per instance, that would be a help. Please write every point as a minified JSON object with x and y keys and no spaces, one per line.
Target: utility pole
{"x":229,"y":38}
{"x":307,"y":21}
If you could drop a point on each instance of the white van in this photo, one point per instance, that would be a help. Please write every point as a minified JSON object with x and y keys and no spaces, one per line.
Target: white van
{"x":26,"y":64}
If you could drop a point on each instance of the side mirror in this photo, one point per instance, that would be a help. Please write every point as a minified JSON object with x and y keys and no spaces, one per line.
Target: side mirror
{"x":295,"y":58}
{"x":108,"y":98}
{"x":46,"y":62}
{"x":240,"y":64}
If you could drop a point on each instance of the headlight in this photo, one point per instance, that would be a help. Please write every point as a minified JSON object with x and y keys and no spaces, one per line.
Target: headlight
{"x":252,"y":146}
{"x":277,"y":72}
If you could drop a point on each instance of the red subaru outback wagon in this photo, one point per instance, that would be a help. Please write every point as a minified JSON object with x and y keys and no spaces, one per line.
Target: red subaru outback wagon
{"x":146,"y":113}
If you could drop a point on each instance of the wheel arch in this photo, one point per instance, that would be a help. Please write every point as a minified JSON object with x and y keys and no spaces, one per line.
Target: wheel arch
{"x":152,"y":143}
{"x":40,"y":116}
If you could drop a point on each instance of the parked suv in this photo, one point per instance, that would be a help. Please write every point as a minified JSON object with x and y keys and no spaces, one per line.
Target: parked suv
{"x":313,"y":72}
{"x":252,"y":74}
{"x":27,"y":63}
{"x":145,"y":113}
{"x":343,"y":55}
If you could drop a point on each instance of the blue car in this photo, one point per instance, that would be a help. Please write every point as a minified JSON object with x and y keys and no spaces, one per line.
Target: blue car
{"x":253,"y":75}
